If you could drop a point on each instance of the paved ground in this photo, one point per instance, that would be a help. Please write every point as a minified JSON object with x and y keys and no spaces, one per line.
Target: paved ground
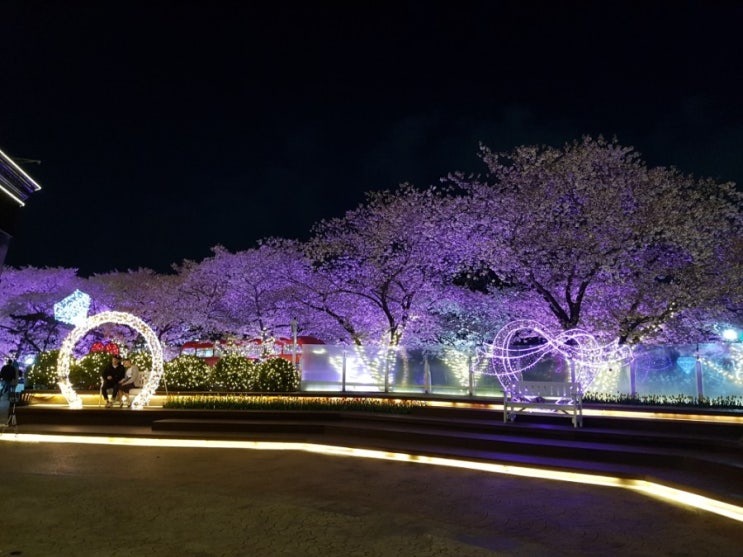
{"x":98,"y":500}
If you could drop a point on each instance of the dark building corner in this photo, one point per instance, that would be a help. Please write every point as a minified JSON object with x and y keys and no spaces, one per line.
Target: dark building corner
{"x":15,"y":188}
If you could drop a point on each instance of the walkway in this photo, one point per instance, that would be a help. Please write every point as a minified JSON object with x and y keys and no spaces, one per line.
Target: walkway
{"x":103,"y":500}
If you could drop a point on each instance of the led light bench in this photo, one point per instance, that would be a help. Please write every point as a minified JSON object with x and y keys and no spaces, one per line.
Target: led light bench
{"x":544,"y":397}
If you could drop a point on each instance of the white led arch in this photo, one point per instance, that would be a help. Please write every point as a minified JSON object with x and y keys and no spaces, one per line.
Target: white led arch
{"x":119,"y":318}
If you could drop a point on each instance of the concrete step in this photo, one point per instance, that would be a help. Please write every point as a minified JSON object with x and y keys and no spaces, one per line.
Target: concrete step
{"x":713,"y":473}
{"x":238,"y":426}
{"x":695,"y":454}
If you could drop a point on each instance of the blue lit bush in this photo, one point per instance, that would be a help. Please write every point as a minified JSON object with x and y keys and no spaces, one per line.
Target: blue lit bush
{"x":276,"y":375}
{"x":188,"y":373}
{"x":234,"y":373}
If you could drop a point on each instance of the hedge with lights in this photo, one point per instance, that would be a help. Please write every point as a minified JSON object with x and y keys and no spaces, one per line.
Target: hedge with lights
{"x":188,"y":373}
{"x":43,"y":373}
{"x":85,"y":373}
{"x":277,"y":375}
{"x":234,"y":373}
{"x":143,"y":360}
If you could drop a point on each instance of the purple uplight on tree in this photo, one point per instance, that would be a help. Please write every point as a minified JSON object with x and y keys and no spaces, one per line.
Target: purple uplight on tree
{"x":27,"y":323}
{"x":599,"y":239}
{"x":381,"y":265}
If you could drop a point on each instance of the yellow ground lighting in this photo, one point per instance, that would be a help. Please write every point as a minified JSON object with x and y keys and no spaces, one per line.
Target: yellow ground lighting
{"x":643,"y":487}
{"x":647,"y":415}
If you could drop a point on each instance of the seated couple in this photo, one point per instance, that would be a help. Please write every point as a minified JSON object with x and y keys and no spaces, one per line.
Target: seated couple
{"x":120,"y":379}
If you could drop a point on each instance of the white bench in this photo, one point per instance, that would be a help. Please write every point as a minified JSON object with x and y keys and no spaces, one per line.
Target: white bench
{"x":544,"y":397}
{"x":127,"y":398}
{"x":123,"y":398}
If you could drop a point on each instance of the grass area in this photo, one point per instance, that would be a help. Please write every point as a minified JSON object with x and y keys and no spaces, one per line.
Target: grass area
{"x":233,"y":401}
{"x":679,"y":401}
{"x":252,"y":402}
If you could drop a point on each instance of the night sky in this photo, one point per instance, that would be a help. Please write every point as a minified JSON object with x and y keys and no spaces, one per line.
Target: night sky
{"x":165,"y":128}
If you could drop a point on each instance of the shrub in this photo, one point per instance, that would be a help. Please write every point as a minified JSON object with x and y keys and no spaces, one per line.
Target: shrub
{"x":276,"y":375}
{"x":188,"y":373}
{"x":234,"y":373}
{"x":143,"y":360}
{"x":43,"y":374}
{"x":86,"y":372}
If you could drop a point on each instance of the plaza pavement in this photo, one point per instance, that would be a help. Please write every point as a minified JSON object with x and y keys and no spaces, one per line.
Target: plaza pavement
{"x":101,"y":500}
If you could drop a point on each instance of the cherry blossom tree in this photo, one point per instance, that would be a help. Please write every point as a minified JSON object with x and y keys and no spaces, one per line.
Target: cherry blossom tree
{"x":463,"y":319}
{"x":309,"y":298}
{"x":27,"y":298}
{"x":155,"y":298}
{"x":586,"y":235}
{"x":605,"y":242}
{"x":253,"y":290}
{"x":200,"y":292}
{"x":378,"y":268}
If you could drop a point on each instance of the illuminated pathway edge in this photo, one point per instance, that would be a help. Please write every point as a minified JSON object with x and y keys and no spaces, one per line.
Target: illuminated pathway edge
{"x":644,"y":487}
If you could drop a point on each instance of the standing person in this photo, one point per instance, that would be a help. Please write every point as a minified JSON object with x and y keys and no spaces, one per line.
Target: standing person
{"x":9,"y":375}
{"x":111,"y":375}
{"x":130,"y":380}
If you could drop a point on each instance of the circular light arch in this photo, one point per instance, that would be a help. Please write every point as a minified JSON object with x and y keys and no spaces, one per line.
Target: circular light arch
{"x":119,"y":318}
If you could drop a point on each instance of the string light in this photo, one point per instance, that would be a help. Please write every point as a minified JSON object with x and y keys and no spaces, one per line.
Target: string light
{"x":73,"y":310}
{"x":64,"y":360}
{"x":365,"y":365}
{"x":587,"y":356}
{"x":735,"y":375}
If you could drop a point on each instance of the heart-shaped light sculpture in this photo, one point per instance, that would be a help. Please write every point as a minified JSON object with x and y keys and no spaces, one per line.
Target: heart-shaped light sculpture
{"x":587,"y":357}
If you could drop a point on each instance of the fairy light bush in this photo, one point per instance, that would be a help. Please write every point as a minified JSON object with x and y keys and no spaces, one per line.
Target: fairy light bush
{"x":235,"y":373}
{"x":43,"y":373}
{"x":143,"y":361}
{"x":277,"y":375}
{"x":85,"y":373}
{"x":188,"y":373}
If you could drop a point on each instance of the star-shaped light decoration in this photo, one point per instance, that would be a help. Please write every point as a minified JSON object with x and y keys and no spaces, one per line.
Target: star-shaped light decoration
{"x":73,"y":309}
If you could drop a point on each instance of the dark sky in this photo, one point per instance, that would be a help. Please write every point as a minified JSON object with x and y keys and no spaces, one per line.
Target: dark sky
{"x":165,"y":128}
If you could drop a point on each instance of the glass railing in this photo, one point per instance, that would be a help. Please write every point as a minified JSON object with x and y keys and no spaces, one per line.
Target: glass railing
{"x":709,"y":370}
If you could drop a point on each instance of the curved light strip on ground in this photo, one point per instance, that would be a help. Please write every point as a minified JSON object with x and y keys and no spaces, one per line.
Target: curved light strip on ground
{"x":644,"y":487}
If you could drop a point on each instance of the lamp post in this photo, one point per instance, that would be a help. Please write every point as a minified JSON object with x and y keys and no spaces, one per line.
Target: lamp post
{"x":699,"y":376}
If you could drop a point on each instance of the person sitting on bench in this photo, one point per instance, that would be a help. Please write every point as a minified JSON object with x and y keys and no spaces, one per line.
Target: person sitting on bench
{"x":112,"y":374}
{"x":129,"y":381}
